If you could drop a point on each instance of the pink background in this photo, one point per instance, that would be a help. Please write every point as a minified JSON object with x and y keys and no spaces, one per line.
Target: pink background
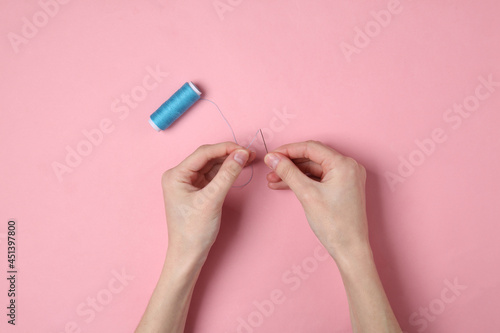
{"x":256,"y":59}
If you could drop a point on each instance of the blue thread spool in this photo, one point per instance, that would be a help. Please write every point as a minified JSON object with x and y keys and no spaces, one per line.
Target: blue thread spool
{"x":175,"y":106}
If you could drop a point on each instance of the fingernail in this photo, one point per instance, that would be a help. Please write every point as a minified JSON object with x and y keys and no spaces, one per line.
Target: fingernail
{"x":241,"y":157}
{"x":272,"y":160}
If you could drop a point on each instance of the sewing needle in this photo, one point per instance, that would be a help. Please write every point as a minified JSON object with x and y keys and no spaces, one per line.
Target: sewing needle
{"x":262,"y":135}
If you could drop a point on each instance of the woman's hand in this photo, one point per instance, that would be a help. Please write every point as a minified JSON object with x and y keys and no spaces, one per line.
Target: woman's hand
{"x":194,"y":192}
{"x":331,"y":189}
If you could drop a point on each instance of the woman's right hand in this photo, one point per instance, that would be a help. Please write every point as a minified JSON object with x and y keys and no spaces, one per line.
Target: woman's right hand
{"x":331,"y":189}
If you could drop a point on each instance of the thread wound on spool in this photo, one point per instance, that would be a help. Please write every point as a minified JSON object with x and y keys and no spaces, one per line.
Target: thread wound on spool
{"x":175,"y":106}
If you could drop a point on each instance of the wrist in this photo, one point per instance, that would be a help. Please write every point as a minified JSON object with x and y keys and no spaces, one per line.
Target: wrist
{"x":185,"y":260}
{"x":353,"y":258}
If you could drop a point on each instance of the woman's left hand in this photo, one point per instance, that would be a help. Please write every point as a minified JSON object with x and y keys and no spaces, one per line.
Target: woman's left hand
{"x":194,"y":192}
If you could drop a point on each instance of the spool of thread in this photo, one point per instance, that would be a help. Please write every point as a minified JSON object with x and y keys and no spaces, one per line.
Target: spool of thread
{"x":175,"y":106}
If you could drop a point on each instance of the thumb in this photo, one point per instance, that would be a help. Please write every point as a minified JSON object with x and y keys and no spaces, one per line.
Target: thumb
{"x":227,"y":174}
{"x":287,"y":171}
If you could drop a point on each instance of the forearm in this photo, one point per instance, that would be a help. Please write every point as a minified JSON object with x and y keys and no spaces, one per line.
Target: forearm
{"x":368,"y":304}
{"x":169,"y":304}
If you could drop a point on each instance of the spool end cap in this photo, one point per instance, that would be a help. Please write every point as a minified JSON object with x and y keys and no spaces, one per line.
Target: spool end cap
{"x":152,"y":123}
{"x":195,"y":88}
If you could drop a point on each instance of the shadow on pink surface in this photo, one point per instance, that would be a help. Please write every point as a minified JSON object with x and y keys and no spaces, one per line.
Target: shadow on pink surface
{"x":383,"y":252}
{"x":229,"y":227}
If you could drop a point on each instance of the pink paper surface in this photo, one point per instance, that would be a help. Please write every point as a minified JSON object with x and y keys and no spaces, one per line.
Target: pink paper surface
{"x":408,"y":88}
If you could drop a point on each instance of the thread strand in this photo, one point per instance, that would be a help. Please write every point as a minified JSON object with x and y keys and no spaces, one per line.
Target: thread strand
{"x":235,"y":140}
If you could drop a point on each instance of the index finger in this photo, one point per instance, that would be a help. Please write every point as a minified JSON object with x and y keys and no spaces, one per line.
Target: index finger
{"x":311,"y":150}
{"x":206,"y":153}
